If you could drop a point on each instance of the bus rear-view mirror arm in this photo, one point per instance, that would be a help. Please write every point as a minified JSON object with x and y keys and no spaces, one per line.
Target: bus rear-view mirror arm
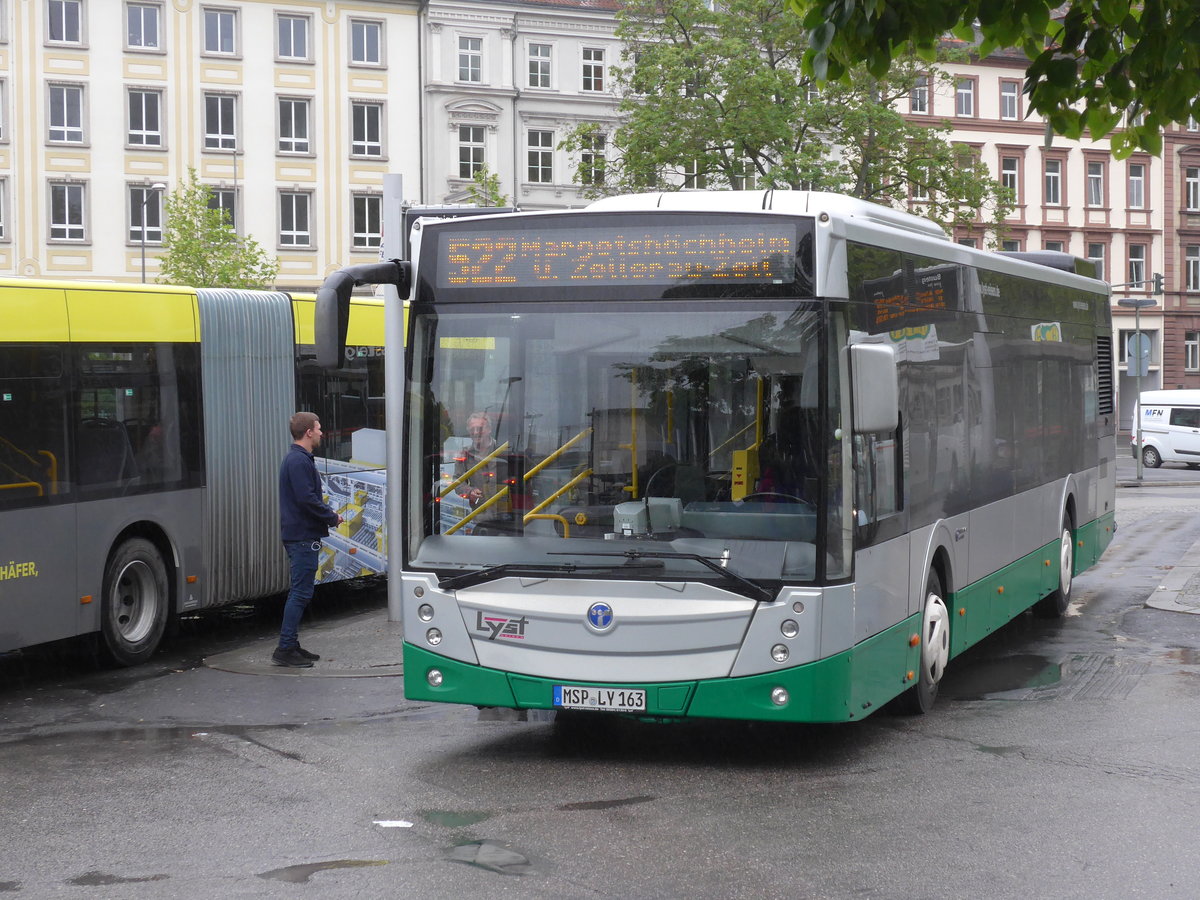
{"x":332,"y":315}
{"x":876,"y":388}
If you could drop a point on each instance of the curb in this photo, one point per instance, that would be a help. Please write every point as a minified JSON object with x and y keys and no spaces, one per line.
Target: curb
{"x":1173,"y":594}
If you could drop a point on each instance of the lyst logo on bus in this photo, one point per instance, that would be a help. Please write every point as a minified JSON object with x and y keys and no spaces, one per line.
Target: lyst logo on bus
{"x":500,"y":626}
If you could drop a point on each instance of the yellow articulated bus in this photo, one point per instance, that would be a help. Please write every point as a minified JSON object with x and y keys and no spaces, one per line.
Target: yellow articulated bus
{"x":141,"y":430}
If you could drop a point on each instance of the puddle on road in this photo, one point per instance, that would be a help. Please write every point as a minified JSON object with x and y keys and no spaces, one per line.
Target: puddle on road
{"x":604,"y":804}
{"x":450,"y":819}
{"x":99,"y":879}
{"x":1189,"y":656}
{"x":300,"y":874}
{"x":490,"y":855}
{"x":9,"y":886}
{"x":998,"y":676}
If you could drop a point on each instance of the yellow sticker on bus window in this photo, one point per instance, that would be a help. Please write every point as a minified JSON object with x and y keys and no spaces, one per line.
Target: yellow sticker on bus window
{"x":467,"y":343}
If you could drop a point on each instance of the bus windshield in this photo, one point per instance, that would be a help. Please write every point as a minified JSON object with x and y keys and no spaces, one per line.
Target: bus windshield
{"x":574,"y":435}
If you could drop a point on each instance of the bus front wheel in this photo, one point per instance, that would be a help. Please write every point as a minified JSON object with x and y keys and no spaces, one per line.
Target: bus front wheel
{"x":1054,"y":605}
{"x":935,"y":651}
{"x":135,"y":603}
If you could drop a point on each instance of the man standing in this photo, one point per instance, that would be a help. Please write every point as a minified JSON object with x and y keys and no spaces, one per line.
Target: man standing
{"x":304,"y":519}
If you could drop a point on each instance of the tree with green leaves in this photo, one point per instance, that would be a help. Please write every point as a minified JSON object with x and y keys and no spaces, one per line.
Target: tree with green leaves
{"x":1091,"y":62}
{"x":485,"y":188}
{"x":715,"y":97}
{"x":201,"y":249}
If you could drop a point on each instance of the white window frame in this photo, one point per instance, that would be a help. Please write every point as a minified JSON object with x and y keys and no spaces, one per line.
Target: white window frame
{"x":541,"y":65}
{"x":964,"y":98}
{"x":365,"y":114}
{"x":1010,"y":100}
{"x":61,"y":128}
{"x":593,"y":158}
{"x":361,"y":52}
{"x":292,"y":206}
{"x":1136,"y":195}
{"x":594,"y":72}
{"x":144,"y":138}
{"x":1095,"y":184}
{"x":219,"y":25}
{"x":1191,"y":351}
{"x":69,"y":18}
{"x":1052,"y":183}
{"x":1097,"y":259}
{"x":1137,"y":267}
{"x":539,"y":151}
{"x":220,"y":138}
{"x":288,"y":52}
{"x":3,"y":105}
{"x":1010,"y":176}
{"x":472,"y":150}
{"x":288,"y":140}
{"x":216,"y":200}
{"x":918,"y":97}
{"x":143,"y":10}
{"x":143,"y":199}
{"x":470,"y":59}
{"x":1055,"y":246}
{"x":1191,"y":267}
{"x":1010,"y":244}
{"x":4,"y":236}
{"x":366,"y":210}
{"x":1191,"y":188}
{"x":68,"y":228}
{"x":693,"y":178}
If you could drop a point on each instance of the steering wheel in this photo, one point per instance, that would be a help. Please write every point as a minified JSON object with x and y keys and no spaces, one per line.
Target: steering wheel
{"x":790,"y":498}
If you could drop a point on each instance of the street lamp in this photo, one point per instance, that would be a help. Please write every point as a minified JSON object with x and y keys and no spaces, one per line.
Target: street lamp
{"x":147,"y":193}
{"x":1137,"y":304}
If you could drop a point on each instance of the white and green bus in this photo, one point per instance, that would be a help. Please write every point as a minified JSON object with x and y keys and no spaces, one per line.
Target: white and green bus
{"x":755,"y":455}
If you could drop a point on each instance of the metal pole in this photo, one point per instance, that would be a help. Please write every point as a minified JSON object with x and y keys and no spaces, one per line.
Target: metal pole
{"x":145,"y":198}
{"x":1137,"y":387}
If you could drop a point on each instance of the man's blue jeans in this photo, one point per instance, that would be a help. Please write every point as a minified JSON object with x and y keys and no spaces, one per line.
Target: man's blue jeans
{"x":302,"y":557}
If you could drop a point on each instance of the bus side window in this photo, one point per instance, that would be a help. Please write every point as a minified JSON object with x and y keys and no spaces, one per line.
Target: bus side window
{"x":33,"y":407}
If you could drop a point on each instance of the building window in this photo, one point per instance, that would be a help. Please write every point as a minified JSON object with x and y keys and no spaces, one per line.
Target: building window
{"x":3,"y":106}
{"x":968,"y":242}
{"x":1095,"y":184}
{"x":1010,"y":175}
{"x":1191,"y":180}
{"x":539,"y":65}
{"x":294,"y":229}
{"x":145,"y":215}
{"x":470,"y":59}
{"x":918,"y":97}
{"x":470,"y":150}
{"x":1191,"y":266}
{"x":145,"y":119}
{"x":1010,"y":94}
{"x":1095,"y":252}
{"x":292,"y":32}
{"x":366,"y":42}
{"x":541,"y":156}
{"x":220,"y":29}
{"x":368,"y":221}
{"x":66,"y":113}
{"x":1055,"y":246}
{"x":1053,"y":195}
{"x":220,"y":122}
{"x":964,"y":97}
{"x":67,"y":212}
{"x":142,"y":26}
{"x":64,"y":21}
{"x":366,"y":129}
{"x":919,"y":185}
{"x":593,"y":69}
{"x":1191,"y":351}
{"x":591,"y":159}
{"x":694,"y":176}
{"x":293,"y":125}
{"x":1137,"y":266}
{"x":1137,"y":186}
{"x":225,"y":200}
{"x":741,"y":176}
{"x":3,"y":210}
{"x":1010,"y":245}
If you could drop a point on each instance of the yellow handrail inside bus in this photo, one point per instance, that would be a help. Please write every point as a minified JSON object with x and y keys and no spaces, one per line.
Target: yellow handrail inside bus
{"x":51,"y":470}
{"x":557,"y":453}
{"x":562,"y":490}
{"x":475,"y":468}
{"x":23,"y":484}
{"x":632,"y":446}
{"x":557,"y":518}
{"x":487,"y":504}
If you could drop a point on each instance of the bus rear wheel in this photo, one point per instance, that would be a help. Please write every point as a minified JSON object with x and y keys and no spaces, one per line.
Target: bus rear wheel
{"x":1055,"y":604}
{"x":135,"y":603}
{"x":935,"y":651}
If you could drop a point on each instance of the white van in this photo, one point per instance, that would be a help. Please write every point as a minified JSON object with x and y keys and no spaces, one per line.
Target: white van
{"x":1170,"y":427}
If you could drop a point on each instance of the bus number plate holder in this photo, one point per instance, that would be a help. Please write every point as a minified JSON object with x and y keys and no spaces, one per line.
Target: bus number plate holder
{"x":599,"y":698}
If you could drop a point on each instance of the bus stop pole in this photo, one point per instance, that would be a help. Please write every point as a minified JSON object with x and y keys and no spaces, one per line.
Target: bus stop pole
{"x":1137,"y":388}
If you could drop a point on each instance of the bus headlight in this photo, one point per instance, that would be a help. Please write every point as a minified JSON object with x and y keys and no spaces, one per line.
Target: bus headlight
{"x":434,"y":636}
{"x":789,"y":628}
{"x":779,"y":653}
{"x":425,"y":612}
{"x":434,"y":677}
{"x":779,"y":696}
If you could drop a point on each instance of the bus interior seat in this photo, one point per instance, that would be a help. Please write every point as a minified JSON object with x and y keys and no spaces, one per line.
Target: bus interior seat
{"x":104,"y":454}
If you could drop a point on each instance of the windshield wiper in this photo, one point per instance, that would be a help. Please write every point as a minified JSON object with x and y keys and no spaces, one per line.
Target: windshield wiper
{"x":743,"y":586}
{"x":536,"y":570}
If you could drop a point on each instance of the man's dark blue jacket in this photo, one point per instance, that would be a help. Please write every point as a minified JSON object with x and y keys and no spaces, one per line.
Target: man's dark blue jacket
{"x":303,"y":515}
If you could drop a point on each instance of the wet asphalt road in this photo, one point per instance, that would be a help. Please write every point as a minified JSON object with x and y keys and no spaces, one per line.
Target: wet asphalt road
{"x":1062,"y":760}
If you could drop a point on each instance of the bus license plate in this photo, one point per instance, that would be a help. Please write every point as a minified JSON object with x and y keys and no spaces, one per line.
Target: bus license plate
{"x":607,"y":699}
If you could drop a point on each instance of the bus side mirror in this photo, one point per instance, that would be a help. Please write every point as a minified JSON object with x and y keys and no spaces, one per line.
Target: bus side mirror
{"x":876,"y":388}
{"x":332,"y":316}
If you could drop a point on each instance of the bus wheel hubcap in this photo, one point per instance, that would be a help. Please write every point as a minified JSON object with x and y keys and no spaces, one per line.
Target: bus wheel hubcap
{"x":134,"y":599}
{"x":935,"y":648}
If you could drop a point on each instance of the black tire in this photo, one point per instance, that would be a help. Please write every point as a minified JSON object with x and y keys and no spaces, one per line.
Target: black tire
{"x":935,"y":651}
{"x":135,"y":604}
{"x":1151,"y":458}
{"x":1054,"y":605}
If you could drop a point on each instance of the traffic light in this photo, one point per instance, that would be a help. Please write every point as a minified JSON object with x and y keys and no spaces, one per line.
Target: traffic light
{"x":1158,"y":283}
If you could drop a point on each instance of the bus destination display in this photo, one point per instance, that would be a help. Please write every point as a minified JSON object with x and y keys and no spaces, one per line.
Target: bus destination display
{"x":747,"y":253}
